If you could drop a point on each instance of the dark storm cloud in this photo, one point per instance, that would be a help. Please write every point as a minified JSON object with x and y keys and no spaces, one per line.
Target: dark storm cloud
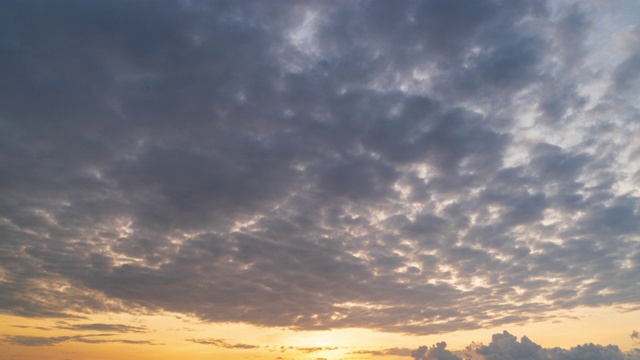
{"x":419,"y":167}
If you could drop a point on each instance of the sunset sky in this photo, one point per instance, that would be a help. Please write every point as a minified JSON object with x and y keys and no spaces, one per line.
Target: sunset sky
{"x":304,"y":180}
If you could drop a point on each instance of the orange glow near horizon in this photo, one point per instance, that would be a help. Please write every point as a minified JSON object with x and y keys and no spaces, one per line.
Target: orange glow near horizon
{"x":172,"y":336}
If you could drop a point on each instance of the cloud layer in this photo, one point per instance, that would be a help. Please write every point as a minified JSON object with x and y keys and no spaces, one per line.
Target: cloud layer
{"x":418,"y":167}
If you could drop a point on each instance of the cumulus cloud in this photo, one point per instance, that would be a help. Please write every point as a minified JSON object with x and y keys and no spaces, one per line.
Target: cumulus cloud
{"x":415,"y":167}
{"x":505,"y":346}
{"x":435,"y":352}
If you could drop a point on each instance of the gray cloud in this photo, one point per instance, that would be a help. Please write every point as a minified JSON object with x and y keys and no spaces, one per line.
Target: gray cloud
{"x":506,"y":346}
{"x":226,"y":344}
{"x":223,"y":344}
{"x":35,"y":340}
{"x":418,"y":167}
{"x":31,"y":327}
{"x":120,"y":328}
{"x":384,"y":352}
{"x":315,"y":349}
{"x":54,"y":340}
{"x":435,"y":352}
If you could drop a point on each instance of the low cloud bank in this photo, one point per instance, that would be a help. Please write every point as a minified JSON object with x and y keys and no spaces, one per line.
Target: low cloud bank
{"x":506,"y":346}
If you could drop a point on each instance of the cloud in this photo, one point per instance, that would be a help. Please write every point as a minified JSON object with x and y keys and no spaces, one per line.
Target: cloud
{"x":35,"y":340}
{"x":301,"y":349}
{"x":222,"y":343}
{"x":435,"y":352}
{"x":384,"y":352}
{"x":120,"y":328}
{"x":54,"y":340}
{"x":31,"y":327}
{"x":313,"y":349}
{"x":121,"y":341}
{"x":504,"y":346}
{"x":419,"y":167}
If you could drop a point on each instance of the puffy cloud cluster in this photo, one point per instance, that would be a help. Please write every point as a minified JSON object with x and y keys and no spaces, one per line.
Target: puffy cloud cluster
{"x":505,"y":346}
{"x":435,"y":352}
{"x":417,"y":166}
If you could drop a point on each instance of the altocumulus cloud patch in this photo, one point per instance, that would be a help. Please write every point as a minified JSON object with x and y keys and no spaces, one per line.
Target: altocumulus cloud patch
{"x":419,"y":166}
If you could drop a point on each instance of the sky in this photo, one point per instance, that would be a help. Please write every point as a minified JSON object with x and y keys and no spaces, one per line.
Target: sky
{"x":319,"y":179}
